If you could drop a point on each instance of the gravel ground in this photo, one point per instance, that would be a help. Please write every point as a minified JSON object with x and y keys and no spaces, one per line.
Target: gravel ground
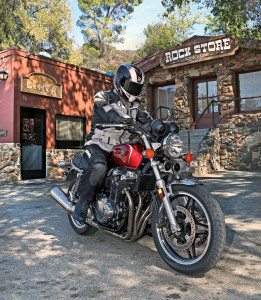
{"x":42,"y":257}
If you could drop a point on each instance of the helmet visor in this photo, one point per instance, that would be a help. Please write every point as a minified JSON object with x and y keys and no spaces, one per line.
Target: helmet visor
{"x":133,"y":88}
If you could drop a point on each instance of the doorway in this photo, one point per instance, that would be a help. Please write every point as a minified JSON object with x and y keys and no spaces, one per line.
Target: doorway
{"x":205,"y":91}
{"x":33,"y":143}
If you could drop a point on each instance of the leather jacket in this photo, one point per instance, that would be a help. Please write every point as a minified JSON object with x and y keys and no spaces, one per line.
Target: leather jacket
{"x":110,"y":108}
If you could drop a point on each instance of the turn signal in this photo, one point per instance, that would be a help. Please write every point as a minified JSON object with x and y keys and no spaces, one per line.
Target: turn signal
{"x":149,"y":153}
{"x":188,"y":157}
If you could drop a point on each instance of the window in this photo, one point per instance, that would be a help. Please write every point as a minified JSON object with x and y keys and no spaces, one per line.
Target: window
{"x":70,"y":132}
{"x":163,"y":96}
{"x":206,"y":92}
{"x":250,"y":91}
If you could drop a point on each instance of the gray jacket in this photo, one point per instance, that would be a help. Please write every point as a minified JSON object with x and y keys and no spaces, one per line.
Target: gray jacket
{"x":109,"y":108}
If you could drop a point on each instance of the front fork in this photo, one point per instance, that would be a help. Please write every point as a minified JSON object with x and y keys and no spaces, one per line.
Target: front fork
{"x":163,"y":193}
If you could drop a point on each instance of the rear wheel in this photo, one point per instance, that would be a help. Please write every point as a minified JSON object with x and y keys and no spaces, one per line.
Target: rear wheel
{"x":78,"y":227}
{"x":197,"y":247}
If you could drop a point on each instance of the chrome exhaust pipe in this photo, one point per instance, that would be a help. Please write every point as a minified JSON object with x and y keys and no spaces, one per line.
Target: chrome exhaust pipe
{"x":60,"y":197}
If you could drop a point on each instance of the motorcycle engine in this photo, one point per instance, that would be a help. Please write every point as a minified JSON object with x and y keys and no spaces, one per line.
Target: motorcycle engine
{"x":111,"y":210}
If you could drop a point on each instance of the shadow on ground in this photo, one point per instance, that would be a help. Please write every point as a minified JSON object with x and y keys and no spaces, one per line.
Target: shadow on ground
{"x":41,"y":256}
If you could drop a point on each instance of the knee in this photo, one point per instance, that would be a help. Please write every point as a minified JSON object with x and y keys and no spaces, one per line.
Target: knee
{"x":98,"y":173}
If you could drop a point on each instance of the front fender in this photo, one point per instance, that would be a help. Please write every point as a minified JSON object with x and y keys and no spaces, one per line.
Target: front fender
{"x":186,"y":181}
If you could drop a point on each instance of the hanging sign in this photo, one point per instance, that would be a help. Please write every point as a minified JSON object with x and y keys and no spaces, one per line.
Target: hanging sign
{"x":41,"y":84}
{"x":207,"y":50}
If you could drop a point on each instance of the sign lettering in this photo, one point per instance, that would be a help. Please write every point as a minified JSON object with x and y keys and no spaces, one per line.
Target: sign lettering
{"x":41,"y":84}
{"x":202,"y":51}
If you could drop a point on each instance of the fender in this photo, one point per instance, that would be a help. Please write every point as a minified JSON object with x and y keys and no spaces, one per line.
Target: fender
{"x":190,"y":181}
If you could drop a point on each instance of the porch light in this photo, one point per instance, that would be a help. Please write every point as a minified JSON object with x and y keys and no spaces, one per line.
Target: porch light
{"x":4,"y":73}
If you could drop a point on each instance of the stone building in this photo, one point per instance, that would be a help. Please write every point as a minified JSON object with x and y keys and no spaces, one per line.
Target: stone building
{"x":214,"y":86}
{"x":45,"y":111}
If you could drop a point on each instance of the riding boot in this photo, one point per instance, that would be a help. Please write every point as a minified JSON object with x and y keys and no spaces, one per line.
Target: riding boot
{"x":80,"y":211}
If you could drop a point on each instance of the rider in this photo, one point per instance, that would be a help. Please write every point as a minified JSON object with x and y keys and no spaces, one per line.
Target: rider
{"x":116,"y":106}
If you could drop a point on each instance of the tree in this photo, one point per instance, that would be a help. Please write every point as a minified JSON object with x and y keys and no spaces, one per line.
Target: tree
{"x":89,"y":58}
{"x":241,"y":18}
{"x":102,"y":24}
{"x":173,"y":30}
{"x":36,"y":26}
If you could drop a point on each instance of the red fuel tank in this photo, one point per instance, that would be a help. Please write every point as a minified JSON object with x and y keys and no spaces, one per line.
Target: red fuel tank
{"x":129,"y":156}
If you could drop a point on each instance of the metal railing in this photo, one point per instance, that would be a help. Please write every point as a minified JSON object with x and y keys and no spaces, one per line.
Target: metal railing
{"x":212,"y":103}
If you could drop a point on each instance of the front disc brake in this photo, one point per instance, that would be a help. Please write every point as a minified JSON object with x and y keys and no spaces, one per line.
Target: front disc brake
{"x":184,"y":239}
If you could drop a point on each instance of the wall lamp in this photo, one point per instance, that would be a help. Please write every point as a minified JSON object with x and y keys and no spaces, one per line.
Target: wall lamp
{"x":4,"y":73}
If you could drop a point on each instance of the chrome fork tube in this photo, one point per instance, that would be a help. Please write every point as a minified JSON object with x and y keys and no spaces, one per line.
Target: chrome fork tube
{"x":161,"y":184}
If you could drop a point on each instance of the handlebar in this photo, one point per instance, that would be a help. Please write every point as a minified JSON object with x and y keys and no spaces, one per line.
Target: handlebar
{"x":109,"y":125}
{"x":135,"y":127}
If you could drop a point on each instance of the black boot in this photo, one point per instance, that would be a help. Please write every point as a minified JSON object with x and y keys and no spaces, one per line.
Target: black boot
{"x":80,"y":211}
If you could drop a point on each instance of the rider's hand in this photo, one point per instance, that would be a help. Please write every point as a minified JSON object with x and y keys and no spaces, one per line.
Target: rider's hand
{"x":128,"y":121}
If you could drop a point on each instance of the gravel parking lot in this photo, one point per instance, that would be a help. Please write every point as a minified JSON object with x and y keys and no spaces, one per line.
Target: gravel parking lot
{"x":42,"y":257}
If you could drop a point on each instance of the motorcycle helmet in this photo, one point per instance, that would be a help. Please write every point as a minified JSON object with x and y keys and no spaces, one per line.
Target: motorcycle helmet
{"x":128,"y":82}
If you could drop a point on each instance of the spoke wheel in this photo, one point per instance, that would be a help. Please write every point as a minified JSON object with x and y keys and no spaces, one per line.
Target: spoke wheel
{"x":189,"y":244}
{"x":198,"y":245}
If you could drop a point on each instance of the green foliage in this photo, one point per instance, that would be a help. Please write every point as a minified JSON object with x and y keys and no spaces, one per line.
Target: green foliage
{"x":89,"y":57}
{"x":241,"y":18}
{"x":36,"y":26}
{"x":102,"y":22}
{"x":173,"y":30}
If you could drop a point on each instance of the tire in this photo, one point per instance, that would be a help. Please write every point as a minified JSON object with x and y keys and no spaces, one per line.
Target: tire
{"x":215,"y":240}
{"x":83,"y":229}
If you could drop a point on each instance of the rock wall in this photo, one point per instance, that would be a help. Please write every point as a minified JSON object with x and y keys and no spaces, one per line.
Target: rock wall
{"x":54,"y":157}
{"x":233,"y":146}
{"x":236,"y":143}
{"x":224,"y":69}
{"x":240,"y":142}
{"x":207,"y":157}
{"x":9,"y":162}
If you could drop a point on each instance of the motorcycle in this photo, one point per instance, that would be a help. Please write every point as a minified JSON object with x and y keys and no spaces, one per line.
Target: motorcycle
{"x":146,"y":188}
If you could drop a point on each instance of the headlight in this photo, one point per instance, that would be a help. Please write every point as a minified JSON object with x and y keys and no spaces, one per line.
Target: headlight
{"x":172,"y":145}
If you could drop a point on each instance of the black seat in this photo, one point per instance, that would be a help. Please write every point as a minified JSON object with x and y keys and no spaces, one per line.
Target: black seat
{"x":80,"y":162}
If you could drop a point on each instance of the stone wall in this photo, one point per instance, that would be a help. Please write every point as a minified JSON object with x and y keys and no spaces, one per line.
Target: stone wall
{"x":54,"y":157}
{"x":224,"y":69}
{"x":240,"y":142}
{"x":233,"y":146}
{"x":207,"y":157}
{"x":9,"y":162}
{"x":236,"y":143}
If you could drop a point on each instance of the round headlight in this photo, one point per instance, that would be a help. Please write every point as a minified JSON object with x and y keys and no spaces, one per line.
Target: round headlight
{"x":172,"y":145}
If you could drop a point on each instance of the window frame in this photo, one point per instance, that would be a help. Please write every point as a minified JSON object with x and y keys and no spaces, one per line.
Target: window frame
{"x":74,"y":144}
{"x":156,"y":86}
{"x":238,"y":102}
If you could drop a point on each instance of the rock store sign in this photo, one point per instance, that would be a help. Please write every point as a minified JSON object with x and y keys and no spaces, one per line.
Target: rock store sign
{"x":41,"y":84}
{"x":206,"y":50}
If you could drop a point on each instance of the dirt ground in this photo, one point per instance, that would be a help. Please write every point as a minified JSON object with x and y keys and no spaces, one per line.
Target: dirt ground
{"x":42,"y":257}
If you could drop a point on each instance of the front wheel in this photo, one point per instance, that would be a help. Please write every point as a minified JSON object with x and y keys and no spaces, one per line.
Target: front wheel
{"x":197,"y":247}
